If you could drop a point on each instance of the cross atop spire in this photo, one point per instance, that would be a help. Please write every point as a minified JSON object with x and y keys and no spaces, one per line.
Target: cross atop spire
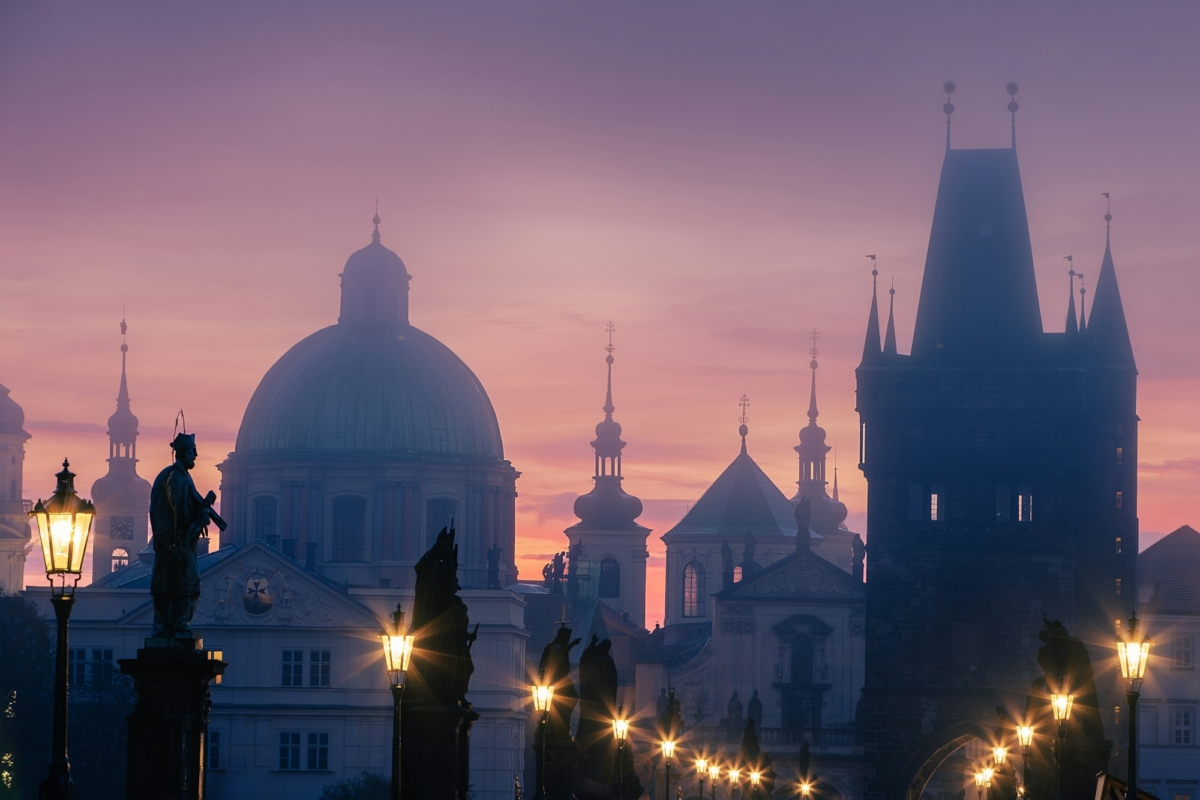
{"x":812,"y":396}
{"x":376,"y":220}
{"x":1072,"y":322}
{"x":744,"y":403}
{"x":948,"y":87}
{"x":1012,"y":109}
{"x":608,"y":359}
{"x":1107,"y":214}
{"x":871,"y":345}
{"x":610,"y":329}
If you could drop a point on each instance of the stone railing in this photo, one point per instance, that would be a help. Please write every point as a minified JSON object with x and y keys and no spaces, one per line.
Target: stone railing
{"x":768,"y":737}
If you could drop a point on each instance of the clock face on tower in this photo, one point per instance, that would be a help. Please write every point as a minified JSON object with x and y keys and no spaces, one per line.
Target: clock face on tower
{"x":120,"y":528}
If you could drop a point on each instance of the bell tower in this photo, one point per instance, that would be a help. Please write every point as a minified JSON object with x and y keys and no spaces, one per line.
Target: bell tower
{"x":122,"y":497}
{"x":613,"y":544}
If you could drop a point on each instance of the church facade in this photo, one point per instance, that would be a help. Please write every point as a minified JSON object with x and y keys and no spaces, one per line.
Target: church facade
{"x":1001,"y":465}
{"x":15,"y":535}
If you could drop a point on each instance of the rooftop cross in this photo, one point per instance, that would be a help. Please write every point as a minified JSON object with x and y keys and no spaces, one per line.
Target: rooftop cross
{"x":610,"y":329}
{"x":743,"y":419}
{"x":948,"y":87}
{"x":1012,"y":109}
{"x":813,"y":351}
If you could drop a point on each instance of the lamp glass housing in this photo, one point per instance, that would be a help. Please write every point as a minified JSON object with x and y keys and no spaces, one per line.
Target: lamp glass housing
{"x":1025,"y":735}
{"x":1061,"y":705}
{"x":702,"y":766}
{"x":979,"y":779}
{"x":543,"y":697}
{"x":1133,"y":656}
{"x":1000,"y":754}
{"x":714,"y":772}
{"x":755,"y":777}
{"x":734,"y":775}
{"x":620,"y":729}
{"x":987,"y":773}
{"x":806,"y":789}
{"x":668,"y":748}
{"x":397,"y":653}
{"x":64,"y":523}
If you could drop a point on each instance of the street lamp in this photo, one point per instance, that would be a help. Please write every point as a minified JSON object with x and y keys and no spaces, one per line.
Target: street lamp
{"x":397,"y":652}
{"x":734,"y":775}
{"x":668,"y":751}
{"x":714,"y":773}
{"x":64,"y":522}
{"x":543,"y":700}
{"x":755,"y":777}
{"x":1061,"y":705}
{"x":702,"y":770}
{"x":1025,"y":739}
{"x":983,"y":781}
{"x":1133,"y":652}
{"x":806,"y":790}
{"x":999,"y":754}
{"x":620,"y":727}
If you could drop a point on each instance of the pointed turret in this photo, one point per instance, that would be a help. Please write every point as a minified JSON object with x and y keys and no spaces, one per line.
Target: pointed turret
{"x":889,"y":339}
{"x":1108,"y":333}
{"x":871,"y":349}
{"x":825,"y":514}
{"x":1072,"y":322}
{"x":123,"y":425}
{"x":979,"y":302}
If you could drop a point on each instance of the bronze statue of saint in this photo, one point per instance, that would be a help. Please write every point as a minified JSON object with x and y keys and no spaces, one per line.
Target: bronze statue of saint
{"x":179,"y":516}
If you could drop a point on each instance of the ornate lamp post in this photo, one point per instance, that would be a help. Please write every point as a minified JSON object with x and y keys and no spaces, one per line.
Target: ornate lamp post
{"x":64,"y":522}
{"x":983,"y":781}
{"x":668,"y":751}
{"x":755,"y":777}
{"x":734,"y":775}
{"x":397,"y":652}
{"x":1061,"y":705}
{"x":1133,"y":652}
{"x":1025,"y":739}
{"x":620,"y":727}
{"x":714,"y":772}
{"x":701,"y":771}
{"x":543,"y":700}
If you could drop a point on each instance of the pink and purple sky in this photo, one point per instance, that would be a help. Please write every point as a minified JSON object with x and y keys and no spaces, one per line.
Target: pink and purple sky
{"x":707,"y":175}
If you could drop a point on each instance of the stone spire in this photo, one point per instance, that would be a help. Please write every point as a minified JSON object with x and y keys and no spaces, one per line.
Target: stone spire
{"x":889,"y":339}
{"x":123,"y":425}
{"x":871,"y":345}
{"x":1072,"y":320}
{"x":1108,"y":333}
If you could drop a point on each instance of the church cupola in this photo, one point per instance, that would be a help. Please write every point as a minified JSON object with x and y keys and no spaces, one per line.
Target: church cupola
{"x":123,"y":425}
{"x":374,"y":285}
{"x":827,"y":514}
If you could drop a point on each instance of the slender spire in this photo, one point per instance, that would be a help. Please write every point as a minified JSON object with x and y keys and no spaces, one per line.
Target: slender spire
{"x":948,"y":87}
{"x":1108,"y":332}
{"x":123,"y":393}
{"x":871,"y":345}
{"x":1072,"y":322}
{"x":123,"y":425}
{"x":835,"y":489}
{"x":608,"y":444}
{"x":812,"y":396}
{"x":889,"y":339}
{"x":376,"y":220}
{"x":1012,"y":109}
{"x":608,"y":403}
{"x":742,"y":420}
{"x":1082,"y":298}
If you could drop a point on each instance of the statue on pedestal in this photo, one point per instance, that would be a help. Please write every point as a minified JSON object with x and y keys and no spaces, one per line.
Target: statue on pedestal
{"x":179,"y":516}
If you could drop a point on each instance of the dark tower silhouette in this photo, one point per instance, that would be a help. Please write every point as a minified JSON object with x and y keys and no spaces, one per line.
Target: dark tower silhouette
{"x":1001,"y":466}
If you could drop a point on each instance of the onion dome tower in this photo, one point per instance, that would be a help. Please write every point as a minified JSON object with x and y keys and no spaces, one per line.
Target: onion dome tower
{"x":365,"y":439}
{"x":831,"y":538}
{"x":613,"y":543}
{"x":15,"y":536}
{"x":122,"y":497}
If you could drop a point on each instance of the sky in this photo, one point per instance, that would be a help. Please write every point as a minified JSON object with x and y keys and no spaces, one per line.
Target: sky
{"x":706,"y":175}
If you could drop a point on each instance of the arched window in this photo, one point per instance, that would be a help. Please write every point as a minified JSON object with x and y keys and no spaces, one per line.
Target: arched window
{"x":693,"y":590}
{"x":610,"y":578}
{"x":439,"y":513}
{"x":266,"y":518}
{"x":349,"y":528}
{"x":802,"y":659}
{"x":737,"y":573}
{"x":120,"y":558}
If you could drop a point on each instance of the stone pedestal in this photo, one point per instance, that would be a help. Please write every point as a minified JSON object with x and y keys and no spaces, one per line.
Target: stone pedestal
{"x":558,"y":774}
{"x":434,"y":751}
{"x":167,"y":727}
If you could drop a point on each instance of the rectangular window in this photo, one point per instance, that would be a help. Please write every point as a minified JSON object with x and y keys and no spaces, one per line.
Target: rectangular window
{"x":1181,"y":652}
{"x":935,"y":499}
{"x":1025,"y":504}
{"x":1118,"y":545}
{"x":77,"y":667}
{"x":349,"y":528}
{"x":266,"y":518}
{"x":1117,"y":586}
{"x":289,"y":751}
{"x":1116,"y":716}
{"x":1120,"y":456}
{"x":293,"y":668}
{"x":212,"y":755}
{"x":1120,"y":499}
{"x":1181,"y":793}
{"x":1181,"y":726}
{"x":1003,"y":500}
{"x":318,"y":751}
{"x":318,"y":667}
{"x":916,"y":511}
{"x":102,"y":666}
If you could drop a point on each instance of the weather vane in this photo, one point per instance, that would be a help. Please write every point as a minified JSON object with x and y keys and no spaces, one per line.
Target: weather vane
{"x":813,"y":351}
{"x":874,"y":265}
{"x":744,"y":403}
{"x":610,"y":329}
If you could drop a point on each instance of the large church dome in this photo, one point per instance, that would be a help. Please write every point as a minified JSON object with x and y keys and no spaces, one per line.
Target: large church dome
{"x":371,"y":383}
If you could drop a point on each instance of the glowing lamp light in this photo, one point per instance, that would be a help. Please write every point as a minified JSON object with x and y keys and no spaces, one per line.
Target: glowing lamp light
{"x":806,"y":790}
{"x":702,"y":767}
{"x":397,"y":649}
{"x":714,"y":772}
{"x":217,"y":655}
{"x":755,"y":777}
{"x":543,"y":698}
{"x":999,"y":754}
{"x":734,"y":775}
{"x":979,"y":780}
{"x":1061,"y":705}
{"x":620,"y":729}
{"x":668,"y":748}
{"x":1025,"y":735}
{"x":1133,"y":653}
{"x":988,"y":773}
{"x":64,"y":522}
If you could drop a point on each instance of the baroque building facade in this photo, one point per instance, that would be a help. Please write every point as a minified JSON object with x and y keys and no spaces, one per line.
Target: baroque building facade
{"x":15,"y":535}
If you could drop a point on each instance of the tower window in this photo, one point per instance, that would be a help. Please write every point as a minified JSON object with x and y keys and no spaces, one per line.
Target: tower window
{"x":349,"y":528}
{"x":1118,"y":545}
{"x":1003,"y":501}
{"x":1120,"y":500}
{"x":266,"y":518}
{"x":693,"y":589}
{"x":610,"y":578}
{"x":1117,"y":586}
{"x":935,"y":499}
{"x":1120,"y":455}
{"x":1025,"y":504}
{"x":737,"y":573}
{"x":120,"y":558}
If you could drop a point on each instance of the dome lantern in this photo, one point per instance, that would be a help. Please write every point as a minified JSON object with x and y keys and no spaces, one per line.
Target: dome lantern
{"x":374,"y":285}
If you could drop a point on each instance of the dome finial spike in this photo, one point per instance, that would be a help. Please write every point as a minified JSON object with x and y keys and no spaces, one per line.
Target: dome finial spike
{"x":813,"y":352}
{"x":376,"y":220}
{"x":948,"y":87}
{"x":744,"y":403}
{"x":1011,"y":88}
{"x":610,"y":329}
{"x":1107,"y":215}
{"x":1072,"y":323}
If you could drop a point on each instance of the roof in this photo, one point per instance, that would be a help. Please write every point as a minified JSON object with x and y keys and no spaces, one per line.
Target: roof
{"x":1170,"y":567}
{"x":741,"y":500}
{"x":370,"y":388}
{"x":802,"y":576}
{"x":12,"y":416}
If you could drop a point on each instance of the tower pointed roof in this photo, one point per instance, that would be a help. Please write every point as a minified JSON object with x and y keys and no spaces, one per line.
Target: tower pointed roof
{"x":871,"y":349}
{"x":825,"y":514}
{"x":978,"y":300}
{"x":123,"y":425}
{"x":1108,"y":333}
{"x":1072,"y":321}
{"x":889,"y":339}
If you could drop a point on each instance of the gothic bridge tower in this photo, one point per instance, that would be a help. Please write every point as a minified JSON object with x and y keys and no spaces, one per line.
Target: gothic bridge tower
{"x":1001,"y":466}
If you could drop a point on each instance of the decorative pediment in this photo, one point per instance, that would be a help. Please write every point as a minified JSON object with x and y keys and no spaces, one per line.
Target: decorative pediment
{"x":800,"y":576}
